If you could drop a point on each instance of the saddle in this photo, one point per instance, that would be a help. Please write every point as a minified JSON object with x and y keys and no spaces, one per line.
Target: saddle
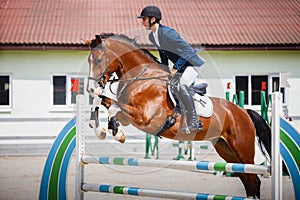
{"x":203,"y":104}
{"x":173,"y":84}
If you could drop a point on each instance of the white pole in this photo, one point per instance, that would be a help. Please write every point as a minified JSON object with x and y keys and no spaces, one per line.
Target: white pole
{"x":80,"y":146}
{"x":276,"y":158}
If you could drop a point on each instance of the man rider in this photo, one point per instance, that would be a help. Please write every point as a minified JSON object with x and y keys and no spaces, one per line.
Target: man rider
{"x":185,"y":59}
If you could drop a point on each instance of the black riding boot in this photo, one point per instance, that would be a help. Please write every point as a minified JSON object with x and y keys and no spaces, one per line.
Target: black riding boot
{"x":188,"y":110}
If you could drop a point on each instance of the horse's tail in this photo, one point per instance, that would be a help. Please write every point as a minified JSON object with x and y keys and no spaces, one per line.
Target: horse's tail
{"x":263,"y":132}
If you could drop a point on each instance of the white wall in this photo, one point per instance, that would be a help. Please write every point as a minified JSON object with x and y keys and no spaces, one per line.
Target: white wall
{"x":32,"y":70}
{"x":227,"y":64}
{"x":31,"y":89}
{"x":31,"y":73}
{"x":230,"y":63}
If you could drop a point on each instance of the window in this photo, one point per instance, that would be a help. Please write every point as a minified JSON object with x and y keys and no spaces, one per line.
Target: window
{"x":258,"y":83}
{"x":252,"y":85}
{"x":241,"y":83}
{"x":59,"y":90}
{"x":5,"y":91}
{"x":66,"y":88}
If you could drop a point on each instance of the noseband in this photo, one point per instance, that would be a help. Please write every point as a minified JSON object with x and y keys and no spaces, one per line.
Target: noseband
{"x":101,"y":80}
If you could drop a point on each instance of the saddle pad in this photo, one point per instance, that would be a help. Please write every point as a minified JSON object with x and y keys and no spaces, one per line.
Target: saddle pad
{"x":203,"y":105}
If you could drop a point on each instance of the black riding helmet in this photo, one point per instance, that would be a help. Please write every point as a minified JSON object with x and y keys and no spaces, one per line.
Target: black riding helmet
{"x":151,"y":11}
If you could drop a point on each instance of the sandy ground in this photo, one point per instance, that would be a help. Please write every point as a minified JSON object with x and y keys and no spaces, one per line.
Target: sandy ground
{"x":20,"y":179}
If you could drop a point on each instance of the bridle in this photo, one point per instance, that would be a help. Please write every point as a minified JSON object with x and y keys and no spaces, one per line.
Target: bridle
{"x":101,"y":80}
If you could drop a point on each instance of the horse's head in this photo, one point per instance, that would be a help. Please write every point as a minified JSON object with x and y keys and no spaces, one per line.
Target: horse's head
{"x":102,"y":63}
{"x":114,"y":53}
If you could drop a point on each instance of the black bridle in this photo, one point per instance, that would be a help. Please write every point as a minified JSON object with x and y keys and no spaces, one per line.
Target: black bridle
{"x":102,"y":78}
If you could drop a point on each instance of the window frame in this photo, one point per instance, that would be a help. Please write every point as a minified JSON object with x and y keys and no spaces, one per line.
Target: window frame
{"x":269,"y":89}
{"x":68,"y":106}
{"x":284,"y":94}
{"x":8,"y":108}
{"x":252,"y":76}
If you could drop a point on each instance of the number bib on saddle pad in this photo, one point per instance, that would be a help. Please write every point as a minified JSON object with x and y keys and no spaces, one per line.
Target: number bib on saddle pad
{"x":203,"y":105}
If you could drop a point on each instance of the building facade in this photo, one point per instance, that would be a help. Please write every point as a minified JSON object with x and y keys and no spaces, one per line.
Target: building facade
{"x":38,"y":87}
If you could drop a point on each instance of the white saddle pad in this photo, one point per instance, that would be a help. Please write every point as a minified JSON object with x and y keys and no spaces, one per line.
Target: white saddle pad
{"x":203,"y":105}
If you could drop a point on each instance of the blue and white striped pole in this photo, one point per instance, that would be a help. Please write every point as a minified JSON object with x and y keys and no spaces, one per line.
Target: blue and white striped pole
{"x":166,"y":194}
{"x":182,"y":165}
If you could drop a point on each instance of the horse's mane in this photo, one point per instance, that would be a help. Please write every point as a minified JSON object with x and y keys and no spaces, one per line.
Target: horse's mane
{"x":125,"y":38}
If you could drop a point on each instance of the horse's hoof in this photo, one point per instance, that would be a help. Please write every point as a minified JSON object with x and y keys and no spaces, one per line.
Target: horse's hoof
{"x":120,"y":136}
{"x":100,"y":134}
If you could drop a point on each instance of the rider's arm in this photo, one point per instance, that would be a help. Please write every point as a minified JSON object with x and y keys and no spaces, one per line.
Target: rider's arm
{"x":183,"y":49}
{"x":163,"y":58}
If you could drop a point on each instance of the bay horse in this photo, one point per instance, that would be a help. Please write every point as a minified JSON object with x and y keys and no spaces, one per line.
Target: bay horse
{"x":143,"y":99}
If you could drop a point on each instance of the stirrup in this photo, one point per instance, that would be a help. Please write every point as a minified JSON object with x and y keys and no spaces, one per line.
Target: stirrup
{"x":196,"y":126}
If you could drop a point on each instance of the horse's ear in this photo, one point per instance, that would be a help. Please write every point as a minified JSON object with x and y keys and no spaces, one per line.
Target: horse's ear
{"x":98,"y":39}
{"x":87,"y":42}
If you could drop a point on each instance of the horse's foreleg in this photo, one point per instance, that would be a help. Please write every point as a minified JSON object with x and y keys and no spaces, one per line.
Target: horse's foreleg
{"x":113,"y":123}
{"x":94,"y":119}
{"x":100,"y":129}
{"x":107,"y":102}
{"x":97,"y":102}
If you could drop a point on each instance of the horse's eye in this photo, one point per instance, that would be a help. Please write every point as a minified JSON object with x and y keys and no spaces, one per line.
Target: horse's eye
{"x":98,"y":61}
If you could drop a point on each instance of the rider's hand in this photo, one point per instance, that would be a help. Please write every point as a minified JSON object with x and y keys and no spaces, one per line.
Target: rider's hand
{"x":173,"y":71}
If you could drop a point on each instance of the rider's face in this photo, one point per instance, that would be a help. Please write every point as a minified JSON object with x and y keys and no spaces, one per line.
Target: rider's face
{"x":145,"y":22}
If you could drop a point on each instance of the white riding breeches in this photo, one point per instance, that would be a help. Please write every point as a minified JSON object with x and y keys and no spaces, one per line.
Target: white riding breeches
{"x":189,"y":75}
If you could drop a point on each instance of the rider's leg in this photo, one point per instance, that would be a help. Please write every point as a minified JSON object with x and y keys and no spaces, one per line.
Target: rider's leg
{"x":189,"y":75}
{"x":187,"y":103}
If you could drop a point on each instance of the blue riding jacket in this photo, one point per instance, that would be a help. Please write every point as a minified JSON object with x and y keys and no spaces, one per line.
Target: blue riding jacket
{"x":173,"y":47}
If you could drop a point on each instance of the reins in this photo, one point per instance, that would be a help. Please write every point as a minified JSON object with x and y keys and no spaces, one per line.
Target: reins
{"x":131,"y":80}
{"x":100,"y":80}
{"x":139,"y":79}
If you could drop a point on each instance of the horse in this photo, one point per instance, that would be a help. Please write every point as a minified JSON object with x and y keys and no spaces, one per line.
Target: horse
{"x":144,"y":102}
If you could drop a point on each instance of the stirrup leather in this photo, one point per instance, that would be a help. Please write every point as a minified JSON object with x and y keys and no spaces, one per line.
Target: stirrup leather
{"x":170,"y":121}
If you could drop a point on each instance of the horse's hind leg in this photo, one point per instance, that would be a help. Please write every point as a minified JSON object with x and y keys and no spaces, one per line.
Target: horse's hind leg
{"x":251,"y":182}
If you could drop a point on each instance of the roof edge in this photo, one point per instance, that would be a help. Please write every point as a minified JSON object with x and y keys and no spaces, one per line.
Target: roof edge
{"x":240,"y":47}
{"x":200,"y":47}
{"x":43,"y":47}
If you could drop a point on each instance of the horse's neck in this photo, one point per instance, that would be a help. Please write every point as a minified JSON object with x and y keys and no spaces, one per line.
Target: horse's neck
{"x":132,"y":66}
{"x":130,"y":58}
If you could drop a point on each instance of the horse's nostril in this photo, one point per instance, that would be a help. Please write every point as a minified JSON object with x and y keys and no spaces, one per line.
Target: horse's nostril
{"x":92,"y":90}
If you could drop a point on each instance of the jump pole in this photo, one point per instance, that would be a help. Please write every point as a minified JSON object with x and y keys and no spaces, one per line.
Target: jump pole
{"x":82,"y":159}
{"x":276,"y":158}
{"x":53,"y":181}
{"x":285,"y":146}
{"x":80,"y":146}
{"x":180,"y":165}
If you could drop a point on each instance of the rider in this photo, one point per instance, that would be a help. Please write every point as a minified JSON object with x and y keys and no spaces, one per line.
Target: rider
{"x":185,"y":59}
